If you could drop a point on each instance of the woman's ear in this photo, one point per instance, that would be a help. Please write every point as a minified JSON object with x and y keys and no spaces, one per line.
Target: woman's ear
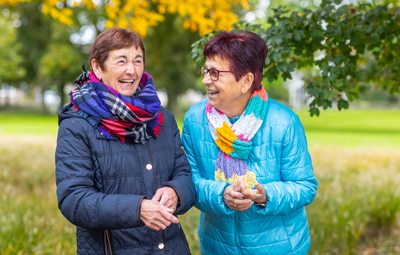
{"x":96,"y":69}
{"x":247,"y":81}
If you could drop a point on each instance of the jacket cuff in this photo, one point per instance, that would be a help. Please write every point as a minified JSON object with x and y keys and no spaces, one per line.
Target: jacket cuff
{"x":139,"y":207}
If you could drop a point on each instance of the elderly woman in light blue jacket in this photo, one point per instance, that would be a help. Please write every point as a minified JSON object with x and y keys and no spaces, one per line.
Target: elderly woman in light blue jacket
{"x":250,"y":163}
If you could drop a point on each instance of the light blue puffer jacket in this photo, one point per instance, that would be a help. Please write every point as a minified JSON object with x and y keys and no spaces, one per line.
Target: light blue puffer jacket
{"x":282,"y":164}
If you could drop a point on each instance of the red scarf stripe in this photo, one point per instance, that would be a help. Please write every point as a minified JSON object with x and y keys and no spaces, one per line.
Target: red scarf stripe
{"x":143,"y":114}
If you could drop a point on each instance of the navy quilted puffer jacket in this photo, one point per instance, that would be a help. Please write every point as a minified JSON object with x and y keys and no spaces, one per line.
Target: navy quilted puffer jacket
{"x":101,"y":183}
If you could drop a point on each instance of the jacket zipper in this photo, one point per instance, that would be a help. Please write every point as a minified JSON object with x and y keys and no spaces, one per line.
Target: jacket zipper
{"x":183,"y":239}
{"x":155,"y":179}
{"x":237,"y":233}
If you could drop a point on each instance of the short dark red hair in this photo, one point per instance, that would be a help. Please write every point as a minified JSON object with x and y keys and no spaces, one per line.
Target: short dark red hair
{"x":246,"y":52}
{"x":114,"y":39}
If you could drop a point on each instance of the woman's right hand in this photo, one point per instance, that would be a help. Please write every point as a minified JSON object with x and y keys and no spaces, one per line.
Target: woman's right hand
{"x":155,"y":215}
{"x":234,"y":199}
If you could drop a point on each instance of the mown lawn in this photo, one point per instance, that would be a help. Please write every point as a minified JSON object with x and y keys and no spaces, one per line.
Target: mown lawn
{"x":356,"y":158}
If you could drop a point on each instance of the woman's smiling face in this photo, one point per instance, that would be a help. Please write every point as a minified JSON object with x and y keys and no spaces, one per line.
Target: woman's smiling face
{"x":226,"y":94}
{"x":122,"y":70}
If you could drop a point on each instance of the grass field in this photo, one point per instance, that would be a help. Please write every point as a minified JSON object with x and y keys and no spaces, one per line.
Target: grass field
{"x":356,"y":158}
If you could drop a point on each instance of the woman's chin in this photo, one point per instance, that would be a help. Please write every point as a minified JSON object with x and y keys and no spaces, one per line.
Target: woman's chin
{"x":127,"y":90}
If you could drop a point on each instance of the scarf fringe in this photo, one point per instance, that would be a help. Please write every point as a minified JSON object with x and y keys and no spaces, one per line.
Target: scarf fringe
{"x":92,"y":121}
{"x":158,"y":124}
{"x":103,"y":130}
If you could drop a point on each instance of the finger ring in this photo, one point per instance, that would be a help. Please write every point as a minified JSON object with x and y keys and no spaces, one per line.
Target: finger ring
{"x":234,"y":205}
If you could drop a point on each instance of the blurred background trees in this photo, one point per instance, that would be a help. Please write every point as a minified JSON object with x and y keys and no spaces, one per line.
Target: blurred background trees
{"x":43,"y":44}
{"x":54,"y":38}
{"x":321,"y":53}
{"x":347,"y":48}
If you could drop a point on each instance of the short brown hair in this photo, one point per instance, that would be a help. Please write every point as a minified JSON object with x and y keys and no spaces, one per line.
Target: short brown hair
{"x":245,"y":52}
{"x":114,"y":39}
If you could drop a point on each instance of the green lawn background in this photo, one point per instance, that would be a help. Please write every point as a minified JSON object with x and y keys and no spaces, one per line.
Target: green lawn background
{"x":356,"y":158}
{"x":349,"y":128}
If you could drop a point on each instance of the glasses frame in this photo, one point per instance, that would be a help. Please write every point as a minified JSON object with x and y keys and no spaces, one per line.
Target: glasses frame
{"x":208,"y":72}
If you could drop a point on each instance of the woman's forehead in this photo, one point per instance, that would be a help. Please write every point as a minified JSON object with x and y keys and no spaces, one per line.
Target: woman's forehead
{"x":216,"y":62}
{"x":131,"y":52}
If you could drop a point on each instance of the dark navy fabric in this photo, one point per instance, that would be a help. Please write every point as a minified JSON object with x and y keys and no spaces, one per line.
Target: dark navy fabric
{"x":101,"y":183}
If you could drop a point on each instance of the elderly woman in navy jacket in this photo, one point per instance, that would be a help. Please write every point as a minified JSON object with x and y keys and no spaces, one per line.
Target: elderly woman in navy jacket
{"x":122,"y":177}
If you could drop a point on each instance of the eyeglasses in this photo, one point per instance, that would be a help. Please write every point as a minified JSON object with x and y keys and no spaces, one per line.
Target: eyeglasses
{"x":214,"y":73}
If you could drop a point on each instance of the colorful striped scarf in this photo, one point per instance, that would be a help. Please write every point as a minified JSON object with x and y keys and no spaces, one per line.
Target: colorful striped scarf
{"x":131,"y":118}
{"x":234,"y":141}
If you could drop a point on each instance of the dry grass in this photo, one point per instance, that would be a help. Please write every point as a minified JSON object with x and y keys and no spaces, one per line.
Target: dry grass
{"x":356,"y":210}
{"x":31,"y":222}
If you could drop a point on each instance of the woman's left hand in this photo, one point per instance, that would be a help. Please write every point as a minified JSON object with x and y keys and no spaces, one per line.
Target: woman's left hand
{"x":258,"y":195}
{"x":167,"y":197}
{"x":234,"y":199}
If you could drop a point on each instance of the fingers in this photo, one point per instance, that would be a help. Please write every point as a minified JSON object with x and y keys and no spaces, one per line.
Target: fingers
{"x":239,"y":185}
{"x":240,"y":204}
{"x":234,"y":200}
{"x":170,"y":217}
{"x":229,"y":190}
{"x":260,"y":188}
{"x":158,"y":195}
{"x":156,"y":216}
{"x":257,"y":195}
{"x":169,"y":198}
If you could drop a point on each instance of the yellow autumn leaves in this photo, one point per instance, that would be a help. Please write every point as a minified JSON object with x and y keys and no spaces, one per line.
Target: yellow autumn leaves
{"x":203,"y":16}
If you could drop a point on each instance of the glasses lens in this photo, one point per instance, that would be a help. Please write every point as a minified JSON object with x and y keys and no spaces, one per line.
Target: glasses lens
{"x":214,"y":74}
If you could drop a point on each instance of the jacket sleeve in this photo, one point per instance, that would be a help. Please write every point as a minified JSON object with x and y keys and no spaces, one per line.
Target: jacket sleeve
{"x":209,"y":192}
{"x":182,"y":177}
{"x":78,"y":199}
{"x":298,"y":186}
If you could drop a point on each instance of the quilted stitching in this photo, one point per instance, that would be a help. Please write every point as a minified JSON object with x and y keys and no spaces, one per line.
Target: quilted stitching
{"x":89,"y":241}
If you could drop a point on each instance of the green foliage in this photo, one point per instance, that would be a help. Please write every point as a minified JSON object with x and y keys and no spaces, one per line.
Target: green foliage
{"x":10,"y":69}
{"x":275,"y":89}
{"x":33,"y":35}
{"x":334,"y":39}
{"x":167,"y":60}
{"x":61,"y":62}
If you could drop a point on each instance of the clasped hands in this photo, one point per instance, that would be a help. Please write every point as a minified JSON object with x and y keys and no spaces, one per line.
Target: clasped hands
{"x":157,"y":213}
{"x":239,"y":198}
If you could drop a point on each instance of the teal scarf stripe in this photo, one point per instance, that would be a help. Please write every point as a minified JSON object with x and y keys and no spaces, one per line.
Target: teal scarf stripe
{"x":257,"y":106}
{"x":242,"y":149}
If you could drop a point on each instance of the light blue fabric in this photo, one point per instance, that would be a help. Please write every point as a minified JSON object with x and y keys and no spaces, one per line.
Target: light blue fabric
{"x":282,"y":164}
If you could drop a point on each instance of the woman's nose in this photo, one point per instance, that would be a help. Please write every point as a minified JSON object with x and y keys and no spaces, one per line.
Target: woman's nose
{"x":130,"y":68}
{"x":206,"y":79}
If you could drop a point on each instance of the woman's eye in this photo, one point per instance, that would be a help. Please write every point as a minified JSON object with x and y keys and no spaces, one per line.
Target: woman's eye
{"x":213,"y":72}
{"x":121,"y":62}
{"x":138,"y":61}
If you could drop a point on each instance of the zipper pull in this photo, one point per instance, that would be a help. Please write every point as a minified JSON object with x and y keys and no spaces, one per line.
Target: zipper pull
{"x":183,"y":148}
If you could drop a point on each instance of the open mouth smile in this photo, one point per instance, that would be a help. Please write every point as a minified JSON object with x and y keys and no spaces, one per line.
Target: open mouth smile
{"x":126,"y":82}
{"x":212,"y":93}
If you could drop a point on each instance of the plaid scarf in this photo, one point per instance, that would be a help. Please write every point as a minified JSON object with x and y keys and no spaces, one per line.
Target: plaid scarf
{"x":234,"y":140}
{"x":131,"y":118}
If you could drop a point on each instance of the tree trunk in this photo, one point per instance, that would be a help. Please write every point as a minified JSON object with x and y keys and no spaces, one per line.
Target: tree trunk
{"x":173,"y":103}
{"x":44,"y":107}
{"x":7,"y":96}
{"x":61,"y":94}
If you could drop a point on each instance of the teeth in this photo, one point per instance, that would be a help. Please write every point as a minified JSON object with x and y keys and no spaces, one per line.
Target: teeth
{"x":126,"y":82}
